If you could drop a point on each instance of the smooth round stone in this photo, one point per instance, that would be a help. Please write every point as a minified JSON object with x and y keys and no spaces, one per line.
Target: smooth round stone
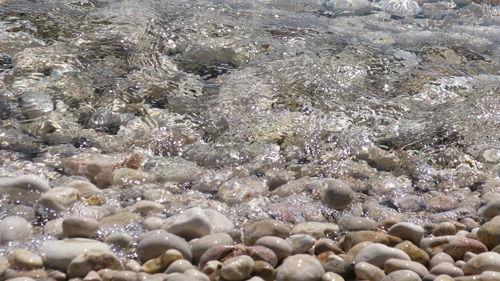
{"x":207,"y":242}
{"x":80,"y":227}
{"x":338,"y":194}
{"x":301,"y":243}
{"x":59,"y":253}
{"x":397,"y":264}
{"x":278,"y":245}
{"x":448,"y":269}
{"x":22,"y":258}
{"x":218,"y":222}
{"x":162,"y":262}
{"x":489,"y":233}
{"x":440,"y":258}
{"x":265,"y":228}
{"x":153,"y":223}
{"x":445,"y":228}
{"x":331,"y":276}
{"x":146,"y":208}
{"x":85,"y":188}
{"x":443,"y":277}
{"x":191,"y":275}
{"x":489,"y":261}
{"x":442,"y":203}
{"x":491,"y":210}
{"x":354,"y":238}
{"x":180,"y":266}
{"x":237,"y":268}
{"x":132,"y":265}
{"x":407,"y":231}
{"x":469,"y":223}
{"x":315,"y":229}
{"x":377,"y":254}
{"x":352,"y":223}
{"x":92,"y":260}
{"x":27,"y":213}
{"x":124,"y":275}
{"x":415,"y":253}
{"x":402,"y":275}
{"x":457,"y":247}
{"x":119,"y":240}
{"x":154,"y":243}
{"x":355,"y":250}
{"x":14,"y":228}
{"x":264,"y":270}
{"x":23,"y":189}
{"x":300,"y":267}
{"x":326,"y":245}
{"x":58,"y":199}
{"x":366,"y":271}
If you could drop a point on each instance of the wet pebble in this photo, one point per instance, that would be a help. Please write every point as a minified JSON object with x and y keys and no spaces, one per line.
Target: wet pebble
{"x":489,"y":233}
{"x":192,"y":223}
{"x":407,"y":231}
{"x":14,"y":228}
{"x":367,"y":271}
{"x":315,"y":229}
{"x":445,"y":228}
{"x":85,"y":188}
{"x":490,"y":210}
{"x":180,"y":266}
{"x":353,"y":238}
{"x":447,"y":268}
{"x":21,"y":258}
{"x":92,"y":260}
{"x":489,"y":261}
{"x":338,"y":194}
{"x":325,"y":245}
{"x":56,"y":200}
{"x":278,"y":245}
{"x":396,"y":264}
{"x":154,"y":243}
{"x":377,"y":254}
{"x":79,"y":227}
{"x":301,"y":243}
{"x":162,"y":262}
{"x":331,"y":276}
{"x":442,"y":203}
{"x":146,"y":208}
{"x":440,"y":258}
{"x":402,"y":275}
{"x":208,"y":241}
{"x":352,"y":223}
{"x":264,"y":270}
{"x":300,"y":268}
{"x":237,"y":268}
{"x":119,"y":240}
{"x":415,"y":253}
{"x":265,"y":228}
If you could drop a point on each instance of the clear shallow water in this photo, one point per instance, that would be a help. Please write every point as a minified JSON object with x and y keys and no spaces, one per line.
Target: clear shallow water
{"x":397,"y":102}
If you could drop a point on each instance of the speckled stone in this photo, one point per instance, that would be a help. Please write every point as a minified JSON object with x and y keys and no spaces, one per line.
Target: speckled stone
{"x":208,"y":241}
{"x":402,"y":275}
{"x":377,"y":254}
{"x":278,"y":245}
{"x":154,"y":243}
{"x":315,"y":229}
{"x":237,"y":268}
{"x":21,"y":258}
{"x":14,"y":228}
{"x":448,"y":269}
{"x":265,"y":228}
{"x":367,"y":271}
{"x":300,"y":267}
{"x":415,"y":253}
{"x":407,"y":231}
{"x":489,"y":233}
{"x":489,"y":261}
{"x":80,"y":227}
{"x":396,"y":264}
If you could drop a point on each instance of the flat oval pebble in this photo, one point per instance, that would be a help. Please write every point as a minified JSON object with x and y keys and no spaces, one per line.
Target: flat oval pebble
{"x":25,"y":259}
{"x":489,"y":233}
{"x":192,"y":223}
{"x":315,"y":229}
{"x":265,"y":228}
{"x":180,"y":266}
{"x":208,"y":241}
{"x":458,"y":246}
{"x":353,"y":223}
{"x":80,"y":227}
{"x":300,"y":267}
{"x":391,"y":265}
{"x":448,"y":269}
{"x":444,"y":228}
{"x":278,"y":245}
{"x":407,"y":231}
{"x":353,"y":238}
{"x":155,"y":243}
{"x":377,"y":254}
{"x":325,"y":245}
{"x":489,"y":261}
{"x":237,"y":268}
{"x":367,"y":271}
{"x":402,"y":275}
{"x":440,"y":258}
{"x":301,"y":243}
{"x":92,"y":260}
{"x":331,"y":276}
{"x":338,"y":194}
{"x":14,"y":228}
{"x":415,"y":253}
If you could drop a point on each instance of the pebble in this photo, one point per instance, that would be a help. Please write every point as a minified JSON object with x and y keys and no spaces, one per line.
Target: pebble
{"x":352,"y":223}
{"x":338,"y":194}
{"x":119,"y":240}
{"x":377,"y":254}
{"x":153,"y":223}
{"x":132,"y":265}
{"x":415,"y":253}
{"x":57,"y":200}
{"x":21,"y":258}
{"x":490,"y":210}
{"x":396,"y":264}
{"x":355,"y":250}
{"x":300,"y":267}
{"x":192,"y":223}
{"x":237,"y":268}
{"x":123,"y":275}
{"x":242,"y":189}
{"x":301,"y":243}
{"x":27,"y":213}
{"x":221,"y":252}
{"x":162,"y":262}
{"x":180,"y":266}
{"x":126,"y":177}
{"x":154,"y":243}
{"x":265,"y":228}
{"x":264,"y":270}
{"x":325,"y":244}
{"x":119,"y":220}
{"x":489,"y":261}
{"x":59,"y":253}
{"x":23,"y":189}
{"x":440,"y":258}
{"x":212,"y":269}
{"x":92,"y":276}
{"x":442,"y":203}
{"x":458,"y":246}
{"x":80,"y":227}
{"x":407,"y":231}
{"x":146,"y":208}
{"x":278,"y":245}
{"x":331,"y":276}
{"x":14,"y":228}
{"x":445,"y":228}
{"x":402,"y":275}
{"x":92,"y":260}
{"x":208,"y":241}
{"x":443,"y":277}
{"x":489,"y":233}
{"x":353,"y":238}
{"x":218,"y":222}
{"x":85,"y":188}
{"x":367,"y":271}
{"x":447,"y":268}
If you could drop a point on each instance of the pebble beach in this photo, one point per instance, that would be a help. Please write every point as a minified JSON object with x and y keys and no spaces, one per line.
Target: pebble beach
{"x":249,"y":140}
